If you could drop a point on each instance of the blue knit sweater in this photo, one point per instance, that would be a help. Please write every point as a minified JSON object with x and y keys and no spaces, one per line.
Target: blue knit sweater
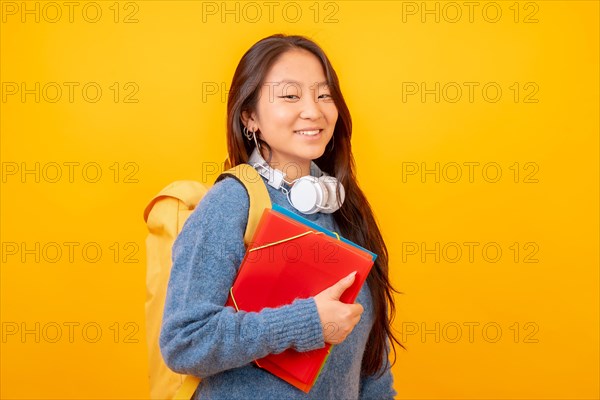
{"x":201,"y":337}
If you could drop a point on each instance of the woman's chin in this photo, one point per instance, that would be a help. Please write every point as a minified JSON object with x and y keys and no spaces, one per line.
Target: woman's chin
{"x":313,"y":154}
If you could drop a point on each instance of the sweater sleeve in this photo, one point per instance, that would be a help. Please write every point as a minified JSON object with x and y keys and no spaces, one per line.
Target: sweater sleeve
{"x":378,"y":388}
{"x":199,"y":335}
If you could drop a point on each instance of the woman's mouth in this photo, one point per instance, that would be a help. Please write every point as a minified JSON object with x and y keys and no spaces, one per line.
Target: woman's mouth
{"x":310,"y":133}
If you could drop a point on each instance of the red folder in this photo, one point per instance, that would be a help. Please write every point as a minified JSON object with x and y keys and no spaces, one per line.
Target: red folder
{"x":289,"y":259}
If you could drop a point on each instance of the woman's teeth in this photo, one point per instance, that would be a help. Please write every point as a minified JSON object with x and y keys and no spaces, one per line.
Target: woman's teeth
{"x":309,"y":133}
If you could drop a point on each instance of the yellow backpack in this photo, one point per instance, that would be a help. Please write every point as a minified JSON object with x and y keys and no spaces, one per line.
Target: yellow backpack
{"x":165,"y":216}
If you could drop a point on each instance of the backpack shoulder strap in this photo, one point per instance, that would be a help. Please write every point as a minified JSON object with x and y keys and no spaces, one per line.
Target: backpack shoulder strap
{"x":257,"y":193}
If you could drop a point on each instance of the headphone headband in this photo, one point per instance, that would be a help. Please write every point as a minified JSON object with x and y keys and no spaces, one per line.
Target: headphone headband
{"x":309,"y":194}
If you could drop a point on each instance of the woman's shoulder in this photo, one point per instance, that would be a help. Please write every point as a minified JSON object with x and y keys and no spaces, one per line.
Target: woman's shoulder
{"x":225,"y":204}
{"x":226,"y":191}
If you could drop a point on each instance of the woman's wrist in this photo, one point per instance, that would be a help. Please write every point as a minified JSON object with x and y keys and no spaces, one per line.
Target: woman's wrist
{"x":295,"y":325}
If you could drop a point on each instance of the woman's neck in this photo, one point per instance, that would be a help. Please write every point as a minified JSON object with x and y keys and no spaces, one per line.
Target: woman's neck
{"x":292,"y":169}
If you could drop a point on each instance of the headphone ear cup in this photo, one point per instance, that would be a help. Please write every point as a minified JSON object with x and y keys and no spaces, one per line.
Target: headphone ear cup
{"x":308,"y":192}
{"x":331,"y":183}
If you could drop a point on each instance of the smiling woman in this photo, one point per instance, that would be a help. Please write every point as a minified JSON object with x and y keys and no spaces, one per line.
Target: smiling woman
{"x":285,"y":116}
{"x":295,"y":117}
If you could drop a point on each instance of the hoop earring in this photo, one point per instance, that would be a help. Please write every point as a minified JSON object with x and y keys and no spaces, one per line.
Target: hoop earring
{"x":251,"y":136}
{"x":246,"y":133}
{"x":255,"y":141}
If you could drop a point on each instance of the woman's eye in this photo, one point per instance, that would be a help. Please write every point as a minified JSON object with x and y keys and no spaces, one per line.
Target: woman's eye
{"x":288,"y":96}
{"x":327,"y":95}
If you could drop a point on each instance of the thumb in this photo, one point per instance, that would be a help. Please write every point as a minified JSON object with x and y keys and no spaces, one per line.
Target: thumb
{"x":340,"y":286}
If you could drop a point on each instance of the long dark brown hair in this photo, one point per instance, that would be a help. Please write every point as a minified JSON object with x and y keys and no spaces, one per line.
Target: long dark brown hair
{"x":355,"y":218}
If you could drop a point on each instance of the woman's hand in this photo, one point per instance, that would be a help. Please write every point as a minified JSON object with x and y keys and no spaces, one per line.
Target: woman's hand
{"x":337,"y":318}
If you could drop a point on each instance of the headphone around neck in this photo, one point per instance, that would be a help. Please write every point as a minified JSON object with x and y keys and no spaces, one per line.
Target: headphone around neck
{"x":308,"y":194}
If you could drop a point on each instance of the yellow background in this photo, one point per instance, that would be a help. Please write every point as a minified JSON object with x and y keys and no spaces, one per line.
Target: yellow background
{"x":170,"y":56}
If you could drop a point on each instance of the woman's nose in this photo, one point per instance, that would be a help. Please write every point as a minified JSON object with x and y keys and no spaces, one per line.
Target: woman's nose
{"x":311,"y":107}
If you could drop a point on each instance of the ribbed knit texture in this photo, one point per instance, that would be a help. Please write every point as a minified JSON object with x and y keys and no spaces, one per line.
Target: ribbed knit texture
{"x":201,"y":337}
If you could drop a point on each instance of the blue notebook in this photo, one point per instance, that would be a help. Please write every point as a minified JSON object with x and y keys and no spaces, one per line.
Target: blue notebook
{"x":317,"y":227}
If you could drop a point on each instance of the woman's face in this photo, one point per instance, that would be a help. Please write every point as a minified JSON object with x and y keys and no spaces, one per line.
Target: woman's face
{"x":293,"y":98}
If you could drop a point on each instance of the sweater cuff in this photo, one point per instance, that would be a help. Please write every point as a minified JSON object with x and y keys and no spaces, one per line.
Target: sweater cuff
{"x":296,"y":325}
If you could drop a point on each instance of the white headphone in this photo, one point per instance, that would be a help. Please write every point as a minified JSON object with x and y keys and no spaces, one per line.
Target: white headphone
{"x":309,"y":194}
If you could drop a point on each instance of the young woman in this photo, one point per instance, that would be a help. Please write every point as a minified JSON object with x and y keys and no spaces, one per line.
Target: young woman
{"x":285,"y":114}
